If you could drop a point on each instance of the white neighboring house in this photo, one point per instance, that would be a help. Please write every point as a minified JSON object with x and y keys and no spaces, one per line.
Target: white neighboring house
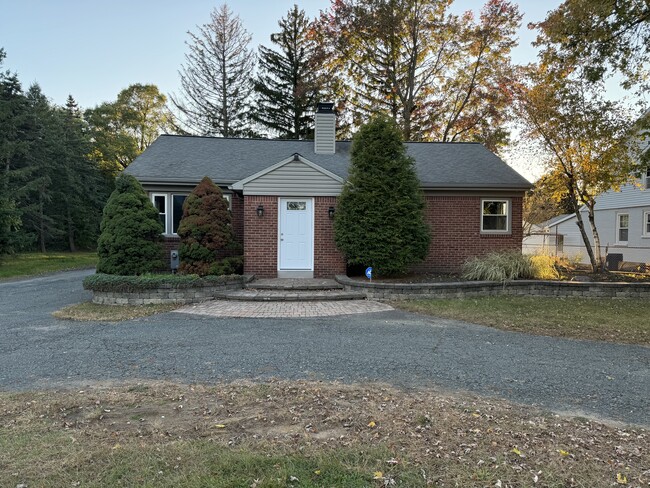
{"x":623,"y":223}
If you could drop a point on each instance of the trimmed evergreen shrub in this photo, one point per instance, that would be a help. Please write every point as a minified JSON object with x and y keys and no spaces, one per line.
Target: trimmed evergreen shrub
{"x":206,"y":229}
{"x":130,"y":240}
{"x":379,"y":219}
{"x":130,"y":284}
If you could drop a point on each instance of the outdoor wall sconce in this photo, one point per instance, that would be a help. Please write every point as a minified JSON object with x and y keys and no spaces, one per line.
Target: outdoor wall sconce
{"x":330,"y":212}
{"x":260,"y":210}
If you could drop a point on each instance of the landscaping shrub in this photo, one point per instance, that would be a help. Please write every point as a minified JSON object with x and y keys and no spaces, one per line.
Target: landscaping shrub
{"x":130,"y":240}
{"x":544,"y":267}
{"x":498,"y":266}
{"x":206,"y":229}
{"x":379,"y":219}
{"x":131,"y":284}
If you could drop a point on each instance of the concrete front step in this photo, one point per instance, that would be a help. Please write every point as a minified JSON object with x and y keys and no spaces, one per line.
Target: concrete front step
{"x":294,"y":284}
{"x":290,"y":295}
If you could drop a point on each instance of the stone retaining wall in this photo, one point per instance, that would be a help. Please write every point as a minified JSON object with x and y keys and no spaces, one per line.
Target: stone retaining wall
{"x":463,"y":289}
{"x":167,"y":294}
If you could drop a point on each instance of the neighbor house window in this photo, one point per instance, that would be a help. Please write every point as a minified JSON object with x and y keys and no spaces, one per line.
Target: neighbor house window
{"x":647,"y":179}
{"x":159,"y":201}
{"x":646,"y":223}
{"x":495,"y":216}
{"x":622,"y":228}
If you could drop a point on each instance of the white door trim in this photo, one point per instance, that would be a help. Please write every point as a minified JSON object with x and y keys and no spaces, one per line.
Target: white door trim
{"x":297,"y":273}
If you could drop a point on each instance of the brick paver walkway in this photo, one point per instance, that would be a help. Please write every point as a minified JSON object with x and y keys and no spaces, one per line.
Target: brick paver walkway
{"x":226,"y":308}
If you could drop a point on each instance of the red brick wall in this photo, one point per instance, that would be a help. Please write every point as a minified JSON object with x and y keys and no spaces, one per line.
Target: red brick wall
{"x":237,"y":210}
{"x":261,"y":236}
{"x":455,"y":223}
{"x":328,"y":261}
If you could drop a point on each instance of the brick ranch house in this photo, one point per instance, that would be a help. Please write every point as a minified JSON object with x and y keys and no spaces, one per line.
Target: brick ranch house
{"x":282,"y":194}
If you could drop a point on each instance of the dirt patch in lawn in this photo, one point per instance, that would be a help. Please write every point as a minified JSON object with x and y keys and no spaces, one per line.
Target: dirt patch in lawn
{"x":304,"y":434}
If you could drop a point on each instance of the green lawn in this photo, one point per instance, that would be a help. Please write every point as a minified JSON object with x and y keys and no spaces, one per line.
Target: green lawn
{"x":30,"y":264}
{"x":615,"y":320}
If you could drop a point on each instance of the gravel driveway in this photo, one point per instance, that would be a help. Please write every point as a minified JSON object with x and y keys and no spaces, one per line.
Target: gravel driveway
{"x":407,"y":350}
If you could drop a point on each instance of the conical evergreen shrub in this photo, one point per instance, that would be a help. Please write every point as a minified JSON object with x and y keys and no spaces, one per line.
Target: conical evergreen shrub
{"x":205,"y":230}
{"x":130,"y":240}
{"x":379,"y":219}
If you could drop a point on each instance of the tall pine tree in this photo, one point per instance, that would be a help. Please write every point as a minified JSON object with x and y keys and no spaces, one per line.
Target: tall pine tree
{"x":13,"y":154}
{"x":216,"y":78}
{"x":287,"y":87}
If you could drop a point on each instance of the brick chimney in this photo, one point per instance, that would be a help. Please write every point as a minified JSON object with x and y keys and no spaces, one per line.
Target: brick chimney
{"x":325,"y":129}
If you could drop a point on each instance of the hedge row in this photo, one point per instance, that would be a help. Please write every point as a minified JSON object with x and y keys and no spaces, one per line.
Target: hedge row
{"x":132,"y":284}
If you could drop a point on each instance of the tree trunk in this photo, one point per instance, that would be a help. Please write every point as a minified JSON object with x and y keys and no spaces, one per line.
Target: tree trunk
{"x":594,"y":231}
{"x":41,"y":229}
{"x":70,"y":222}
{"x":583,"y":232}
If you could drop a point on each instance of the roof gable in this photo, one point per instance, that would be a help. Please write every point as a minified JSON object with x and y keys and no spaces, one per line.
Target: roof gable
{"x":293,"y":176}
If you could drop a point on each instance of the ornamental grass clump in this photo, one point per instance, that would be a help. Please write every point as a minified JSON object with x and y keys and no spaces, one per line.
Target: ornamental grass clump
{"x":130,"y":239}
{"x":544,"y":267}
{"x":206,"y":233}
{"x":499,"y":266}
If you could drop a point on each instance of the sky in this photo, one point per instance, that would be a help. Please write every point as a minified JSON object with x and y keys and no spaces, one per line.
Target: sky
{"x":92,"y":49}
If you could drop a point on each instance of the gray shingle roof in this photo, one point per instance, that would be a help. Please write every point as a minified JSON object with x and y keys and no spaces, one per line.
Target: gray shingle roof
{"x":189,"y":158}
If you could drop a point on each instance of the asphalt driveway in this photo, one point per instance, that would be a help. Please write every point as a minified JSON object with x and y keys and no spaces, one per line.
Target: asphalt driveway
{"x":407,"y":350}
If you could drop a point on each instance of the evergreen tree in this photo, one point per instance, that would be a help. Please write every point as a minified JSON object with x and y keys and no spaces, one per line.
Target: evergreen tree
{"x":13,"y":155}
{"x":37,"y":186}
{"x":379,"y":220}
{"x":287,"y":87}
{"x":206,"y":233}
{"x":216,"y":78}
{"x":130,"y":240}
{"x":83,"y":190}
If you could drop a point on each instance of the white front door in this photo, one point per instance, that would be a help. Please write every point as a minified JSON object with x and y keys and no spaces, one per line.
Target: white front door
{"x":296,"y":234}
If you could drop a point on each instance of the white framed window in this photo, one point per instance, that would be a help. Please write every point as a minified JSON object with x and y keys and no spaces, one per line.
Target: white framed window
{"x":159,"y":201}
{"x":646,"y":178}
{"x":646,"y":223}
{"x":177,"y":211}
{"x":495,"y":216}
{"x":170,"y":209}
{"x":622,"y":228}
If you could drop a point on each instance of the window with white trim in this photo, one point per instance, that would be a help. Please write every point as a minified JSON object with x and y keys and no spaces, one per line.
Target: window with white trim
{"x":159,"y":201}
{"x":170,"y":209}
{"x":177,"y":211}
{"x":646,"y":223}
{"x":495,"y":216}
{"x":647,"y":179}
{"x":622,"y":228}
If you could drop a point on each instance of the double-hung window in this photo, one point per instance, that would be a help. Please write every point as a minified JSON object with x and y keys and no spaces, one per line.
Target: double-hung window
{"x":177,"y":211}
{"x":646,"y":223}
{"x":622,"y":228}
{"x":170,"y":209}
{"x":159,"y":201}
{"x":495,"y":216}
{"x":646,"y":178}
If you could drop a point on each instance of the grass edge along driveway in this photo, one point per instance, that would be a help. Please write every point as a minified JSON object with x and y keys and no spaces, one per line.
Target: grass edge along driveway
{"x":36,"y":263}
{"x":604,"y":319}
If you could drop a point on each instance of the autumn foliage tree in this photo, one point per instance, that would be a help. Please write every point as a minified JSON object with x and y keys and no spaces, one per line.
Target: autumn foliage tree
{"x":590,"y":143}
{"x":440,"y":76}
{"x":206,"y":233}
